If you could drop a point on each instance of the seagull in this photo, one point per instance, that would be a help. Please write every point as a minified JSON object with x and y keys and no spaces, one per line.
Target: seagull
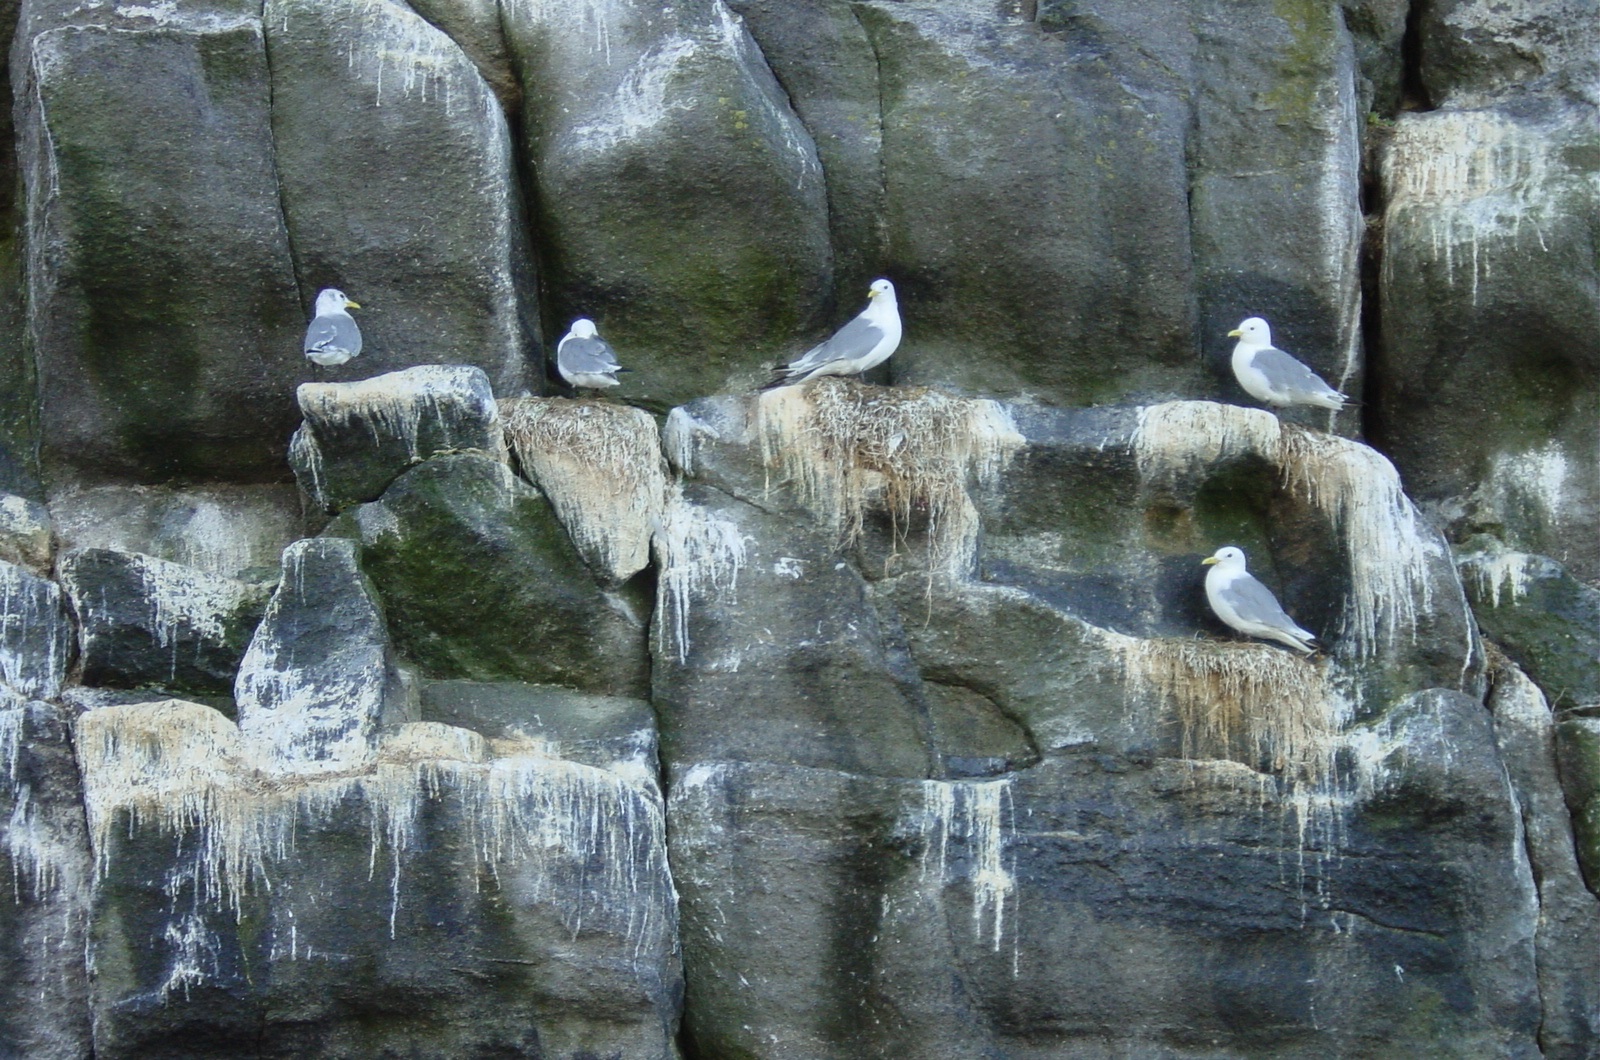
{"x":333,"y":337}
{"x":1247,"y":605}
{"x":585,"y":359}
{"x":1270,"y":375}
{"x":865,"y":342}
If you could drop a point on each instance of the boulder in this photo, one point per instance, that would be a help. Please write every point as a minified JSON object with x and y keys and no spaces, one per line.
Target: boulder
{"x":163,"y":311}
{"x":481,"y":582}
{"x":318,"y":680}
{"x":358,"y":437}
{"x":148,"y":621}
{"x":436,"y":251}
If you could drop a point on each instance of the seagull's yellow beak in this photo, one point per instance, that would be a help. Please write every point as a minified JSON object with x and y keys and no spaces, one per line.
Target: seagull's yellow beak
{"x":871,"y":295}
{"x":1234,"y":334}
{"x":351,"y":305}
{"x":1209,"y":560}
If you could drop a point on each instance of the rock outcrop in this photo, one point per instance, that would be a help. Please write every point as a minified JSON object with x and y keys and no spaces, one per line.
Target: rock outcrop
{"x":848,"y":720}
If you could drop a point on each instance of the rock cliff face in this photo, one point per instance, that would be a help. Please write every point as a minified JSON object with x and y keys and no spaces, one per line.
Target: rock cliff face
{"x":410,"y":707}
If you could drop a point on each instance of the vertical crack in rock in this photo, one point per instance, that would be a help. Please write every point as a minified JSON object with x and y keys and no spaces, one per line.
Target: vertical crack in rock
{"x":847,"y":448}
{"x":1354,"y":487}
{"x":972,"y":815}
{"x":601,"y":466}
{"x":698,"y":553}
{"x":186,"y":771}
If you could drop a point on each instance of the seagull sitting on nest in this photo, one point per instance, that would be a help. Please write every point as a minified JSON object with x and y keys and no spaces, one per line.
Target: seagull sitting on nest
{"x":333,"y":337}
{"x":865,"y":342}
{"x":584,"y":359}
{"x":1247,"y":605}
{"x":1270,"y":375}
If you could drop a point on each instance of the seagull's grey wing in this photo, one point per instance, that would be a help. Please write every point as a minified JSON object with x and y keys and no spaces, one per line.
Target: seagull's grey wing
{"x":1254,"y":602}
{"x":338,"y":331}
{"x":587,"y":356}
{"x":853,"y":340}
{"x":1287,"y":376}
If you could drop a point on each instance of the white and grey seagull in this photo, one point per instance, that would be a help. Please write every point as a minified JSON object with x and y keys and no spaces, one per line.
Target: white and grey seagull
{"x":584,"y":359}
{"x":1247,"y":605}
{"x":865,"y":342}
{"x":1270,"y":375}
{"x":332,"y":338}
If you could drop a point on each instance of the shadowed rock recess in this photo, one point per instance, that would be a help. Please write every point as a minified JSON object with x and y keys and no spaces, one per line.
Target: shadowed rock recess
{"x":407,"y":708}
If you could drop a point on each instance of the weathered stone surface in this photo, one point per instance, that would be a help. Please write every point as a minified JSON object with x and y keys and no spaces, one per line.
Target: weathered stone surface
{"x":480,"y":581}
{"x":26,"y":535}
{"x":232,"y":531}
{"x":162,"y":306}
{"x":1541,"y":616}
{"x":437,"y":252}
{"x":1568,"y":941}
{"x":36,"y":639}
{"x":681,"y":202}
{"x":317,"y":679}
{"x":607,"y":732}
{"x":1475,"y":51}
{"x":520,"y":903}
{"x":1578,"y":753}
{"x":148,"y":621}
{"x":358,"y":437}
{"x":1488,"y":399}
{"x":44,"y":852}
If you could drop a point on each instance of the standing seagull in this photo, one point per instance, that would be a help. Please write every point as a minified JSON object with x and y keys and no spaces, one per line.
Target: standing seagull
{"x":333,"y":337}
{"x":585,"y":359}
{"x":865,"y":342}
{"x":1247,"y":605}
{"x":1272,"y":376}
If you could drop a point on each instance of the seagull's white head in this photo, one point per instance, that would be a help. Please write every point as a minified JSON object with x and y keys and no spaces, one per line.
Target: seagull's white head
{"x":1252,"y":332}
{"x":1228,"y":558}
{"x":583,"y":328}
{"x":881,"y":289}
{"x":332,"y":301}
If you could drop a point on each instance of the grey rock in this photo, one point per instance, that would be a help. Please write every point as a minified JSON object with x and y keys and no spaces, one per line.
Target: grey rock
{"x":44,"y":851}
{"x":317,"y":680}
{"x":440,"y":897}
{"x":36,"y":638}
{"x":231,"y":531}
{"x":358,"y":437}
{"x":1578,"y":754}
{"x":436,"y":251}
{"x":148,"y":621}
{"x":1474,"y":52}
{"x":480,"y":581}
{"x":1568,"y":940}
{"x":681,"y":201}
{"x":1487,"y":399}
{"x":607,"y":732}
{"x":475,"y":27}
{"x":162,"y":305}
{"x":1540,"y":616}
{"x":26,"y":535}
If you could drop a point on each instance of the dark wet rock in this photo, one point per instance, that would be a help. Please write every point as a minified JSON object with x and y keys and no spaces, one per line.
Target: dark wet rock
{"x":480,"y":581}
{"x":1539,"y":615}
{"x":148,"y":621}
{"x":435,"y":250}
{"x":36,"y":638}
{"x":318,"y":678}
{"x":44,"y":852}
{"x":1568,"y":940}
{"x":164,"y":315}
{"x":1487,"y":397}
{"x":1578,"y":753}
{"x":358,"y":437}
{"x":681,"y":202}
